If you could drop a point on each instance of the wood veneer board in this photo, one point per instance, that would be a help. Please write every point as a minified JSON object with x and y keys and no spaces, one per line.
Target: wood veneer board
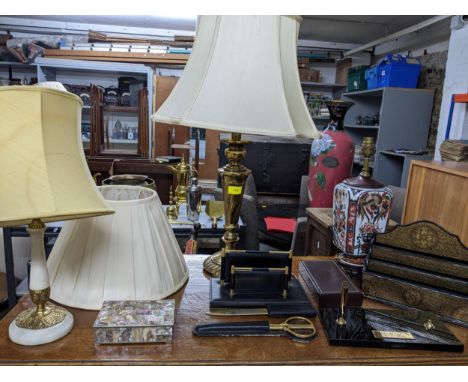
{"x":209,"y":166}
{"x":155,"y":58}
{"x":3,"y":286}
{"x":163,"y":87}
{"x":438,"y":192}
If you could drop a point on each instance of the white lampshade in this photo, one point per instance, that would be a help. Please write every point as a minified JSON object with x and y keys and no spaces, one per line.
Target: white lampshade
{"x":242,"y":76}
{"x":130,"y":255}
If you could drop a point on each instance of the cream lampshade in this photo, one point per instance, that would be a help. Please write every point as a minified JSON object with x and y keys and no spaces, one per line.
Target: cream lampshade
{"x":241,"y":77}
{"x":130,"y":255}
{"x":44,"y":178}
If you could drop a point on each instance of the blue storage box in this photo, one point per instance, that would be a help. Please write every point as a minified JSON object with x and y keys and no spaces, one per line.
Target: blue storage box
{"x":398,"y":71}
{"x":372,"y":77}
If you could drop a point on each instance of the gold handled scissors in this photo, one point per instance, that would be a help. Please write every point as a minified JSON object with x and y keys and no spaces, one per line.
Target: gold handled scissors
{"x":299,"y":327}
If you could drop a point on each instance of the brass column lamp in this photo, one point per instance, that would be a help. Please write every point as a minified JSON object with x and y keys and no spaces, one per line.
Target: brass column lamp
{"x":242,"y":77}
{"x":233,"y":176}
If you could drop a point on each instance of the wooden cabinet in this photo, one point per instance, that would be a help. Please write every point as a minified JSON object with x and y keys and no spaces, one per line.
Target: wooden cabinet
{"x":438,"y":192}
{"x":319,"y":236}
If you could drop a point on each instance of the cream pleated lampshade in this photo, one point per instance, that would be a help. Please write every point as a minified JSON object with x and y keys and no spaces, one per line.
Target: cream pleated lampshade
{"x":130,"y":255}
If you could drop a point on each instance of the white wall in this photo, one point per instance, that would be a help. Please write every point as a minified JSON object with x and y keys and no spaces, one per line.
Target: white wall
{"x":456,"y":82}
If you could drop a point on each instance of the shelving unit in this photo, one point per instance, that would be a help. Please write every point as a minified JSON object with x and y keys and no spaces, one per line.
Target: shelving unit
{"x":80,"y":72}
{"x":405,"y":116}
{"x":327,"y":86}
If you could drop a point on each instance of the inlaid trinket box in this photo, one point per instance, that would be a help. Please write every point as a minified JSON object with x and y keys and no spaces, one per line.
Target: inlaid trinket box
{"x":130,"y":322}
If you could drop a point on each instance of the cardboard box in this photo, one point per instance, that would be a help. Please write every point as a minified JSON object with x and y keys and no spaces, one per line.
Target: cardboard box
{"x":309,"y":75}
{"x":342,"y":67}
{"x":303,"y":62}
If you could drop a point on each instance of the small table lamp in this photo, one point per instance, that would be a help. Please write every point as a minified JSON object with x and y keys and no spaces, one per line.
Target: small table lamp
{"x":45,"y":178}
{"x":241,"y":77}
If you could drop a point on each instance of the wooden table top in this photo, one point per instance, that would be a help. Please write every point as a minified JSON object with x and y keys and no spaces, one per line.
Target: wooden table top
{"x":78,"y":347}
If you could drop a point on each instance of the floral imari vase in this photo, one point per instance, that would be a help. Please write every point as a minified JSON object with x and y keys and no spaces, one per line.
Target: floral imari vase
{"x":361,"y":208}
{"x":331,"y":157}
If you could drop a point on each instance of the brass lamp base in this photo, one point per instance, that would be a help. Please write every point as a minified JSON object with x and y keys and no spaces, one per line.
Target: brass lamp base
{"x":46,"y":322}
{"x":233,"y":175}
{"x":44,"y":315}
{"x":212,"y":264}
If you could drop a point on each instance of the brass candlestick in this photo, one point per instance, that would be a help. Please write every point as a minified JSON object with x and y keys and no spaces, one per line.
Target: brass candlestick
{"x":343,"y":300}
{"x":171,"y":210}
{"x":233,"y":176}
{"x":367,"y":151}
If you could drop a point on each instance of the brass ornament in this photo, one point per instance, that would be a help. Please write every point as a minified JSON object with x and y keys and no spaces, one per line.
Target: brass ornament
{"x":36,"y":224}
{"x":44,"y":315}
{"x":183,"y":172}
{"x":425,"y":237}
{"x":429,"y":325}
{"x":215,"y":210}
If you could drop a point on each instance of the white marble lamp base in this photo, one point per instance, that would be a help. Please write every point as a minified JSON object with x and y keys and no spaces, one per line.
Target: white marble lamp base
{"x":30,"y":337}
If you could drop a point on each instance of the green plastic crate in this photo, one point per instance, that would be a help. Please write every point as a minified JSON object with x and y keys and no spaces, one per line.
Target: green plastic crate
{"x":356,"y":78}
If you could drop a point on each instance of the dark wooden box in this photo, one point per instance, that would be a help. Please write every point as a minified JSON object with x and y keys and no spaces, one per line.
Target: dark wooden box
{"x":324,"y":278}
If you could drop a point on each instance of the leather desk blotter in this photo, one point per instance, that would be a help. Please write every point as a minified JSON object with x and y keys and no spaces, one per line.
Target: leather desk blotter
{"x":324,"y":279}
{"x":382,"y":328}
{"x":296,"y":302}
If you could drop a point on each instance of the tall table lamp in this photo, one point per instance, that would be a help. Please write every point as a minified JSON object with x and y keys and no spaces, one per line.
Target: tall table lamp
{"x":241,"y":77}
{"x":44,"y":179}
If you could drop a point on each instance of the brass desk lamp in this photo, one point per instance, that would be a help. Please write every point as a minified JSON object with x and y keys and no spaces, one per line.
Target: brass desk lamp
{"x":241,"y":77}
{"x":45,"y":178}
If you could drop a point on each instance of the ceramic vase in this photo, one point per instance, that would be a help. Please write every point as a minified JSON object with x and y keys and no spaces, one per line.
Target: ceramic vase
{"x":361,"y":208}
{"x":331,"y":157}
{"x":358,"y":214}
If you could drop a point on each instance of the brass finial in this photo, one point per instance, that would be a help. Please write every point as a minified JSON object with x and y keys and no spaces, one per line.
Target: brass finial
{"x":171,"y":210}
{"x":367,"y":151}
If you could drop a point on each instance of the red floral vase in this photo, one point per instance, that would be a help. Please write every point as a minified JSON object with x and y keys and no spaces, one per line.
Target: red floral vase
{"x":331,"y":157}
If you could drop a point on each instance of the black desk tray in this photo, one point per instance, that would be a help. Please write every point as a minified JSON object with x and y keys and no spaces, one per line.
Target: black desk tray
{"x":365,"y":328}
{"x":296,"y":302}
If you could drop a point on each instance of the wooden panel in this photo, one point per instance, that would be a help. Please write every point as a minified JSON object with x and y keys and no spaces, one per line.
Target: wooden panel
{"x":78,"y":347}
{"x":3,"y":286}
{"x":162,"y":175}
{"x":161,"y":131}
{"x":209,"y":166}
{"x":152,"y":58}
{"x":438,"y":192}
